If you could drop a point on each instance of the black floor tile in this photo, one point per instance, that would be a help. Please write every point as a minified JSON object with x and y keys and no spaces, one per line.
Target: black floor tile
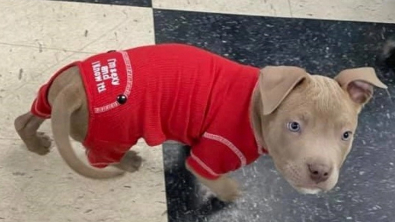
{"x":366,"y":188}
{"x":141,"y":3}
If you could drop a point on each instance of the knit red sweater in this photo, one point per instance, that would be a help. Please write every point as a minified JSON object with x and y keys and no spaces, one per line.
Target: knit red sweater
{"x":167,"y":92}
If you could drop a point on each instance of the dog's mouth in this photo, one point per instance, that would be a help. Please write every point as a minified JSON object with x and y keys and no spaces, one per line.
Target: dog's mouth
{"x":308,"y":189}
{"x":301,"y":182}
{"x":305,"y":188}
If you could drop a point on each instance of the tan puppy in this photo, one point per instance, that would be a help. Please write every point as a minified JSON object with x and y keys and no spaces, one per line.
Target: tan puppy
{"x":306,"y":122}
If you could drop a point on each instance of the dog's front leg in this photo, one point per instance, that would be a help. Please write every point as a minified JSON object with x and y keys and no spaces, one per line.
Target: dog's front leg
{"x":26,"y":126}
{"x":225,"y":188}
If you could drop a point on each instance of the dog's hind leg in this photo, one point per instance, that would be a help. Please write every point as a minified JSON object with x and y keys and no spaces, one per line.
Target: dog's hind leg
{"x":26,"y":126}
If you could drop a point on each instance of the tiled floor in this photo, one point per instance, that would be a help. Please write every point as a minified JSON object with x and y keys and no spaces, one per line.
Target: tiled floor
{"x":38,"y":37}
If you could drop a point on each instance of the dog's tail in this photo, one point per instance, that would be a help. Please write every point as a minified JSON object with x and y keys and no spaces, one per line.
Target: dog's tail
{"x":64,"y":105}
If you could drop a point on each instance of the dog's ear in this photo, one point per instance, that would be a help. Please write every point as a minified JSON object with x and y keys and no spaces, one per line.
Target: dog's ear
{"x":359,"y":82}
{"x":276,"y":82}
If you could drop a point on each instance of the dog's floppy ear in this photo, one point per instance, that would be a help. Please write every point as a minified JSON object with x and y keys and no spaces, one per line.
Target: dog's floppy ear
{"x":276,"y":82}
{"x":359,"y":82}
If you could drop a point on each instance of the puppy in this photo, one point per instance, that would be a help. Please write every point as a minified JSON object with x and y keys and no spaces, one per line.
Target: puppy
{"x":228,"y":113}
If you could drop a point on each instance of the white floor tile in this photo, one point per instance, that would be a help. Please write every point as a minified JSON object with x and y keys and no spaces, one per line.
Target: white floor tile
{"x":43,"y":189}
{"x":250,"y":7}
{"x":74,"y":26}
{"x":36,"y":188}
{"x":352,"y":10}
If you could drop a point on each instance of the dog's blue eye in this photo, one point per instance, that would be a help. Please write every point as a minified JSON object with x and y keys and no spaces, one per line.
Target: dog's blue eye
{"x":346,"y":135}
{"x":293,"y":126}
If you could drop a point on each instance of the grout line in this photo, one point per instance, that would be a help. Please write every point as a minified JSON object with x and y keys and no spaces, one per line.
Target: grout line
{"x":48,"y":48}
{"x":115,"y":3}
{"x":290,"y":8}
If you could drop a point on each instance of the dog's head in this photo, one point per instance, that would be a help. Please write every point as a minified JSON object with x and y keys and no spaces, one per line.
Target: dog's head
{"x":307,"y":122}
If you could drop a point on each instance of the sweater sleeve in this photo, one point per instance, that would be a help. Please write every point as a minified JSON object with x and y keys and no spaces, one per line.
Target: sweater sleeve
{"x":213,"y":156}
{"x":40,"y":106}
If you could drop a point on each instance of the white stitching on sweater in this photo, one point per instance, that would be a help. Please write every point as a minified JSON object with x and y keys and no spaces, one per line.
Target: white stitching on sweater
{"x":44,"y":115}
{"x":107,"y":107}
{"x":260,"y":151}
{"x":228,"y":144}
{"x":129,"y":73}
{"x":202,"y":164}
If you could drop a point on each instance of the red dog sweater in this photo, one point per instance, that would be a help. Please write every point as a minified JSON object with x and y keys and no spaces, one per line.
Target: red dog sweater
{"x":167,"y":92}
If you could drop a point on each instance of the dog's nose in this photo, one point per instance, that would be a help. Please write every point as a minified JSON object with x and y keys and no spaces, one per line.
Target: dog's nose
{"x":319,"y":172}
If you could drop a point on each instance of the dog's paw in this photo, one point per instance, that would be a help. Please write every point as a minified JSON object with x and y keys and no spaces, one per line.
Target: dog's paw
{"x":225,"y":189}
{"x":205,"y":192}
{"x":229,"y":197}
{"x":230,"y":190}
{"x":40,"y":144}
{"x":131,"y":162}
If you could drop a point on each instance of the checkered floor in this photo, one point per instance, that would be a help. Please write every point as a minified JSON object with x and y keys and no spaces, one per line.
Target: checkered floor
{"x":38,"y":37}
